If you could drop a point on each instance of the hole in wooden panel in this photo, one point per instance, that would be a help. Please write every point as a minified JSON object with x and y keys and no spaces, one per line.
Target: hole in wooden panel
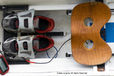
{"x":88,"y":22}
{"x":88,"y":44}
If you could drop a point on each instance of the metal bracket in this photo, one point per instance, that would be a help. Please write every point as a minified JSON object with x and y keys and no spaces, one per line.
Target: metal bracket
{"x":101,"y":67}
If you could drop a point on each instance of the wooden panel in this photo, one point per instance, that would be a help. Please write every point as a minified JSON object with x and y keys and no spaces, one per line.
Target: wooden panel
{"x":100,"y":52}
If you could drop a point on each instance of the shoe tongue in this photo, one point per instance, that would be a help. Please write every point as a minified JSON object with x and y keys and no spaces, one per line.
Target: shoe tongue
{"x":36,"y":43}
{"x":36,"y":23}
